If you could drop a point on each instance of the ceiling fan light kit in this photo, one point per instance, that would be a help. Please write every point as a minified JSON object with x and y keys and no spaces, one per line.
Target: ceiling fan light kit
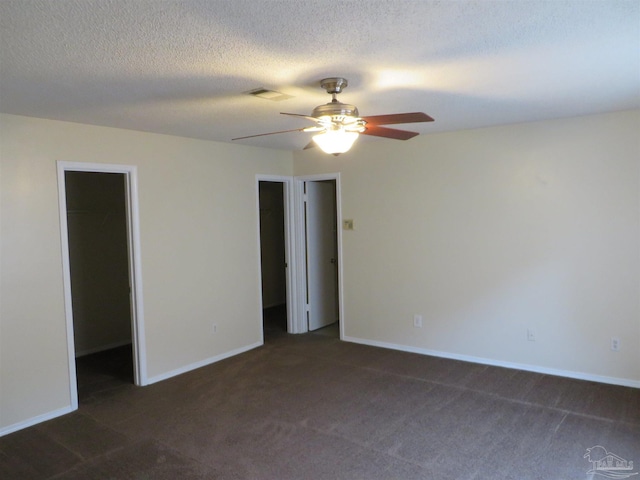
{"x":335,"y":141}
{"x":338,"y":124}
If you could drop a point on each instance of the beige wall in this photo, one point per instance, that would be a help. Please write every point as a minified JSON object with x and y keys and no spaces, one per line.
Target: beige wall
{"x":199,"y":250}
{"x":485,"y":233}
{"x":492,"y":231}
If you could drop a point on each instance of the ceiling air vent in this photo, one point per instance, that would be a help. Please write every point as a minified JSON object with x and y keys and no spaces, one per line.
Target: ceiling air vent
{"x":269,"y":94}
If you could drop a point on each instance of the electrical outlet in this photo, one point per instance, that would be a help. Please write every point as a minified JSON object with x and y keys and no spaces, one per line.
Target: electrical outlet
{"x":615,"y":344}
{"x":531,"y":335}
{"x":417,"y":321}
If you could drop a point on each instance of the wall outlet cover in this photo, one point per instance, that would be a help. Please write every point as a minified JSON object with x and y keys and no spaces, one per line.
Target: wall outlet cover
{"x":615,"y":344}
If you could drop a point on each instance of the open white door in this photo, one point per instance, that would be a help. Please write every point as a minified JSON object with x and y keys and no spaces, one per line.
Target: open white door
{"x":322,"y":254}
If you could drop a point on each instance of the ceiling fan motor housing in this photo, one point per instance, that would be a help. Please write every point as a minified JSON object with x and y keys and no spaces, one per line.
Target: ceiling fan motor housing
{"x":335,"y":108}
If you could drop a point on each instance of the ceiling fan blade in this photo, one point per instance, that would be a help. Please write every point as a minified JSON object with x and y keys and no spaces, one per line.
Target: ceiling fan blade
{"x":394,"y":118}
{"x":377,"y":131}
{"x":300,"y":115}
{"x":270,"y":133}
{"x":309,"y":145}
{"x":317,"y":128}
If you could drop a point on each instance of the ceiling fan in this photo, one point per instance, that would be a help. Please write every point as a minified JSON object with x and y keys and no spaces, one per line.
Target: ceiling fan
{"x":339,"y":124}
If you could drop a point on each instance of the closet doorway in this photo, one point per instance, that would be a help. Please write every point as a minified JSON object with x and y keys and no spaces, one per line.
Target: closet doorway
{"x":102,"y":279}
{"x":319,"y":254}
{"x":274,"y":223}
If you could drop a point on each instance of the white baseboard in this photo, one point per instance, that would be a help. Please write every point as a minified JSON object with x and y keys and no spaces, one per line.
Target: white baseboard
{"x":102,"y":348}
{"x":625,"y":382}
{"x":203,"y":363}
{"x":35,"y":420}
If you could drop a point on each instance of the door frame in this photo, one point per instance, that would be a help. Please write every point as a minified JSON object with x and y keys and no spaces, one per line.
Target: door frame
{"x":289,"y":250}
{"x":135,"y":267}
{"x":301,"y":248}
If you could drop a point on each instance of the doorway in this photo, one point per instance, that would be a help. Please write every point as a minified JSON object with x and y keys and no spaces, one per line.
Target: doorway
{"x":277,"y":262}
{"x":98,"y":213}
{"x":320,"y":251}
{"x":99,"y":265}
{"x":322,"y":255}
{"x":273,"y":258}
{"x":299,"y":275}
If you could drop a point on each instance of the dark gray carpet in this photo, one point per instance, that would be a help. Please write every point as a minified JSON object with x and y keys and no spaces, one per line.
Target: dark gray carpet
{"x":312,"y":407}
{"x":103,"y":371}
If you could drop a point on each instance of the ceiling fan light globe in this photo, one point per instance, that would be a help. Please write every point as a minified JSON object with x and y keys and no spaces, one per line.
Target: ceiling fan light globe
{"x":335,"y":141}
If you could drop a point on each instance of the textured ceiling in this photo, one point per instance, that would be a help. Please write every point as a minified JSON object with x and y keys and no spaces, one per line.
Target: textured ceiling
{"x":181,"y":67}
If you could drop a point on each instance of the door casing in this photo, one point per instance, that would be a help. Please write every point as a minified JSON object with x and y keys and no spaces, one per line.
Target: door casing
{"x":135,"y":269}
{"x":301,"y":245}
{"x":295,"y":248}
